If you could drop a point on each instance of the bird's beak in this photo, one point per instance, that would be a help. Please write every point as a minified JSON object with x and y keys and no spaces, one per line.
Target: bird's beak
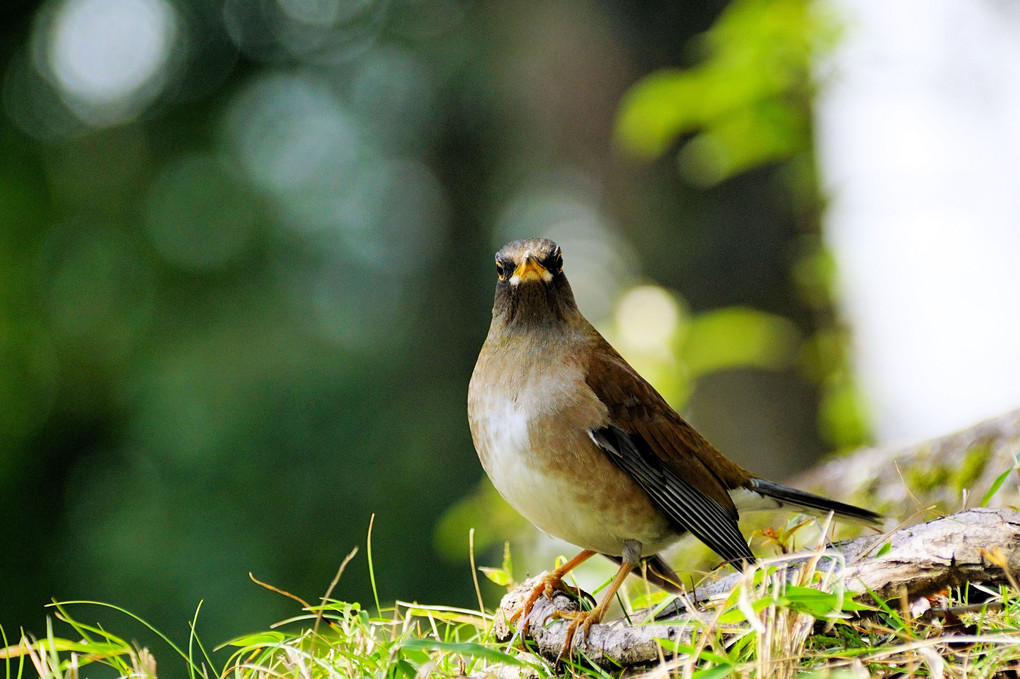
{"x":530,"y":270}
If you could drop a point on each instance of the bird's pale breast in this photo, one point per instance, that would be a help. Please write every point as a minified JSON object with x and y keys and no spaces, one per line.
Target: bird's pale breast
{"x":530,"y":430}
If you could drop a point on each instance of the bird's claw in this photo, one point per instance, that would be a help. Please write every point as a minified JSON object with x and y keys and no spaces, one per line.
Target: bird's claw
{"x":546,"y":586}
{"x":579,"y":621}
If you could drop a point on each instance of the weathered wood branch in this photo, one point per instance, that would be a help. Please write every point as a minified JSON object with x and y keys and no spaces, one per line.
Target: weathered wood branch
{"x":915,"y":561}
{"x":936,"y":472}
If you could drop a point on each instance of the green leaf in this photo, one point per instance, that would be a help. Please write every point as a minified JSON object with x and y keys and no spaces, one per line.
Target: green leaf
{"x":851,"y":604}
{"x":814,"y":602}
{"x":402,"y":668}
{"x":745,"y":104}
{"x":999,"y":480}
{"x":739,"y":337}
{"x":258,"y":639}
{"x":674,"y":646}
{"x":496,"y":575}
{"x":66,"y":645}
{"x":717,"y":672}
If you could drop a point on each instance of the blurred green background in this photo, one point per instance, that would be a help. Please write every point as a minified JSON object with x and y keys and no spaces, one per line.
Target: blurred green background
{"x":246,"y":254}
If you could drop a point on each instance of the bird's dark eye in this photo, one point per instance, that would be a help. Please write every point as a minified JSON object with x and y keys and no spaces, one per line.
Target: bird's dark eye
{"x":500,"y":270}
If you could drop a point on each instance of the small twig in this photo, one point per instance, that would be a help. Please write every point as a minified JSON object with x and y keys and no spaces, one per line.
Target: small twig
{"x":271,"y":588}
{"x":332,"y":586}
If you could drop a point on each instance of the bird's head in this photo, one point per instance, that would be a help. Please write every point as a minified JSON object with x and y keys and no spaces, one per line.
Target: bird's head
{"x":531,"y":288}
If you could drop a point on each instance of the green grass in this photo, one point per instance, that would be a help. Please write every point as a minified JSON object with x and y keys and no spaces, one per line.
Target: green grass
{"x":769,"y":626}
{"x":765,"y":628}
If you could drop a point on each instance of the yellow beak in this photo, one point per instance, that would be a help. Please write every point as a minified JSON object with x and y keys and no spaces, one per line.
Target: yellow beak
{"x":530,"y":270}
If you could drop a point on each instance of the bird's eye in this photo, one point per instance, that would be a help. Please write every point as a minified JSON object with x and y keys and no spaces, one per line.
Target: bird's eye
{"x":500,"y":270}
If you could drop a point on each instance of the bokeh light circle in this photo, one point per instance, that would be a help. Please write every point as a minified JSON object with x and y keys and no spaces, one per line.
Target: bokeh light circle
{"x":109,"y":59}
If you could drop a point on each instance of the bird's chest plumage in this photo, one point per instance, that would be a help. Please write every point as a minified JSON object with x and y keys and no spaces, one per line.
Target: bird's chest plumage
{"x":530,"y":429}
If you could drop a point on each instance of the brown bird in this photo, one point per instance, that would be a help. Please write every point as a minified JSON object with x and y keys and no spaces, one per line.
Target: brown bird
{"x":582,"y":446}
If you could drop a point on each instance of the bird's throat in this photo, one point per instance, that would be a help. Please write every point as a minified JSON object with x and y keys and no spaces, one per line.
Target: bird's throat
{"x":534,"y":305}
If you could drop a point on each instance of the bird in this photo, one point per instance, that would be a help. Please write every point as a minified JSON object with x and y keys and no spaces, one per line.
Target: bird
{"x":583,"y":447}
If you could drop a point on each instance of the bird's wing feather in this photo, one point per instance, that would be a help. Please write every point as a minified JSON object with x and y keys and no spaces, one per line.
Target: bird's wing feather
{"x":675,"y":465}
{"x":697,"y":513}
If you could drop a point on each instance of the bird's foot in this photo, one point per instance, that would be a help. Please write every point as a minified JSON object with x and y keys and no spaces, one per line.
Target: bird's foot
{"x":579,"y":621}
{"x":547,"y":585}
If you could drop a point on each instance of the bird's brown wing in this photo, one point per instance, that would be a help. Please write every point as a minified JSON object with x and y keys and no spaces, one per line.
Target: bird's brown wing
{"x":682,"y":473}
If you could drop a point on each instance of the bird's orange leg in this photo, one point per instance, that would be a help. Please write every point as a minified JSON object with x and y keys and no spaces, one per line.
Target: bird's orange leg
{"x":584,"y":619}
{"x":549,"y":583}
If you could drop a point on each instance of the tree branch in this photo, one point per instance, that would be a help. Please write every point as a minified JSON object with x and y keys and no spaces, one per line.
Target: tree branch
{"x":968,"y":547}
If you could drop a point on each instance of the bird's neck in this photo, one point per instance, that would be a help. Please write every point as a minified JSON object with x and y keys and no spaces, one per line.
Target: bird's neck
{"x":535,"y":308}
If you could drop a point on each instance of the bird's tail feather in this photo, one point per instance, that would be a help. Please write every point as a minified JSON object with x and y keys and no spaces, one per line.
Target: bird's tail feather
{"x":814,"y":504}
